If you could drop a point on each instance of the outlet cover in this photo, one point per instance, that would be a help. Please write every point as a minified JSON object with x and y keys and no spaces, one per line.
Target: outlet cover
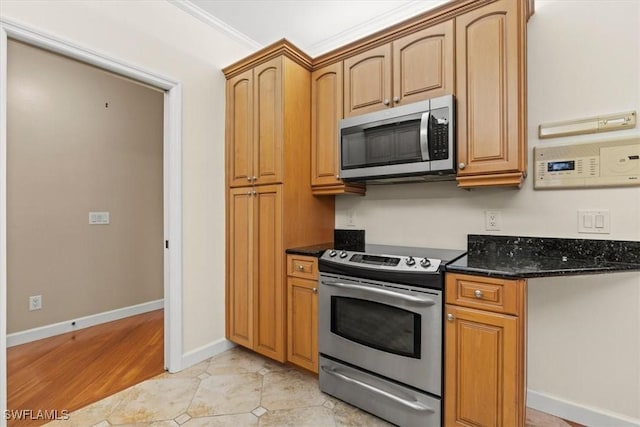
{"x":35,"y":302}
{"x":492,"y":220}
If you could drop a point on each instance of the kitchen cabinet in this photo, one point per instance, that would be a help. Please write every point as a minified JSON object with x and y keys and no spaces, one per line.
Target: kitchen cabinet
{"x":491,"y":94}
{"x":412,"y":68}
{"x":255,"y":125}
{"x":485,"y":336}
{"x":256,"y":291}
{"x":326,"y":113}
{"x":270,"y":205}
{"x":302,"y":311}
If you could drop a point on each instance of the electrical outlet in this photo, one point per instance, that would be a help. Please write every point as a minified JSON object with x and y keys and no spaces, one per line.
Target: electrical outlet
{"x":351,"y":218}
{"x":492,"y":220}
{"x":35,"y":302}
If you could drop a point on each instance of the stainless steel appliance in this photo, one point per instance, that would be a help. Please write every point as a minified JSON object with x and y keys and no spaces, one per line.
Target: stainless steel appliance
{"x":400,"y":143}
{"x":380,"y":330}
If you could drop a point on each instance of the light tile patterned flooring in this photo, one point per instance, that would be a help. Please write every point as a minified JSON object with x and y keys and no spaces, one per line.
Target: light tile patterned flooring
{"x":235,"y":388}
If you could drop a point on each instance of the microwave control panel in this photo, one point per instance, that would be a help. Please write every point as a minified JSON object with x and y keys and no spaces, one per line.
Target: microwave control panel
{"x":610,"y":163}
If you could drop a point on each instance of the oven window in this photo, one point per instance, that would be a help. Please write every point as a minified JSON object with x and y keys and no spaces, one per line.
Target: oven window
{"x":377,"y":325}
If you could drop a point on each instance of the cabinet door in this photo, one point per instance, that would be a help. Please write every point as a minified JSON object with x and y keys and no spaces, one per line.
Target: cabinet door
{"x":240,"y":129}
{"x":367,"y":81}
{"x":240,"y":292}
{"x":326,"y":112}
{"x":269,"y":287}
{"x":302,"y":319}
{"x":483,"y":361}
{"x":268,"y":122}
{"x":489,"y":80}
{"x":423,"y":64}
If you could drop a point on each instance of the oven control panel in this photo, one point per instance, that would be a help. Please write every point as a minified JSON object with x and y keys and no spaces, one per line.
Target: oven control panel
{"x":596,"y":164}
{"x":397,"y":263}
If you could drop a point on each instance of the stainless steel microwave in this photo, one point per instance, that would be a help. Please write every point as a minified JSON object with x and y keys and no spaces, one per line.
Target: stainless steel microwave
{"x":400,"y":143}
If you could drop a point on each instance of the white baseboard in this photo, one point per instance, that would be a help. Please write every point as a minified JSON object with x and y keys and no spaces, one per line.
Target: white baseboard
{"x":196,"y":356}
{"x":47,"y":331}
{"x":589,"y":416}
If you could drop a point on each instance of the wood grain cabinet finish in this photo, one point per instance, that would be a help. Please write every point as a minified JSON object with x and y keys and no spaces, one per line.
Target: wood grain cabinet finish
{"x":412,"y":68}
{"x":326,"y":113}
{"x":423,"y":64}
{"x":268,"y":136}
{"x":256,"y":288}
{"x":490,"y":94}
{"x":255,"y":128}
{"x":484,"y":352}
{"x":302,"y":315}
{"x":367,"y":81}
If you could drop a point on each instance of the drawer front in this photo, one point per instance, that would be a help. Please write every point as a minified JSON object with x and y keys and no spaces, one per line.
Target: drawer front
{"x":485,"y":293}
{"x":305,"y":267}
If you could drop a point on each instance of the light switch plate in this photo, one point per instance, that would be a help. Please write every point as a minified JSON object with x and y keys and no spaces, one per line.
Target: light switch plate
{"x":594,"y":221}
{"x":99,"y":218}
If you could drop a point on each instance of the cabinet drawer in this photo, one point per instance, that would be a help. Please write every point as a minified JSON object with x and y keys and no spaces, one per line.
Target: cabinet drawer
{"x":485,"y":293}
{"x":305,"y":267}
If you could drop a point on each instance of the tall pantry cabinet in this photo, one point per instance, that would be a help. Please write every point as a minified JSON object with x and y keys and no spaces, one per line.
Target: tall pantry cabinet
{"x":269,"y":202}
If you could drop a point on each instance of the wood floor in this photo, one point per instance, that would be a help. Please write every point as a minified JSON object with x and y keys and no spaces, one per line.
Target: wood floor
{"x":69,"y":371}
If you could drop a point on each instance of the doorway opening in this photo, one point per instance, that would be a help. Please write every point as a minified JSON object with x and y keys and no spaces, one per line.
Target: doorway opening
{"x":171,"y":178}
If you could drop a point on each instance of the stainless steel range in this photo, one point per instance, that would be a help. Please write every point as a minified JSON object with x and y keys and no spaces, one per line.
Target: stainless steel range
{"x":380,"y":330}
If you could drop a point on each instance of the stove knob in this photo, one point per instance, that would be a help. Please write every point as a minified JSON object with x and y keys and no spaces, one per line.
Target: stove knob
{"x":410,"y":261}
{"x":332,"y":253}
{"x":425,"y":263}
{"x":343,"y":254}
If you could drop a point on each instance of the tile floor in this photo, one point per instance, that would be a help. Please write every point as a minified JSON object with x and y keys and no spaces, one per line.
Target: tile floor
{"x":235,"y":388}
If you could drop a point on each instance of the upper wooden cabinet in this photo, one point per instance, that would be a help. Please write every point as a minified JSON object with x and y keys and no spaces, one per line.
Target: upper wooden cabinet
{"x":423,"y":64}
{"x":326,"y":112}
{"x":254,"y":125}
{"x":367,"y":81}
{"x":490,"y":93}
{"x":412,"y":68}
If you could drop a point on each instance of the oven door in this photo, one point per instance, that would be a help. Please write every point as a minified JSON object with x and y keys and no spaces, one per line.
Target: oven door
{"x":392,"y":330}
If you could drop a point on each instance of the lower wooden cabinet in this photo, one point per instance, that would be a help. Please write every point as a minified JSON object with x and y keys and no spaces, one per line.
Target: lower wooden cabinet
{"x":302,"y":312}
{"x":485,"y":335}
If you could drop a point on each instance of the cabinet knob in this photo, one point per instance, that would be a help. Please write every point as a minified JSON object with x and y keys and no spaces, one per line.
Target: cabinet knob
{"x":248,"y":193}
{"x":461,"y":165}
{"x":396,"y":99}
{"x":254,"y":192}
{"x":450,"y":317}
{"x":478,"y":293}
{"x":249,"y":178}
{"x":314,"y":290}
{"x":337,"y":176}
{"x":300,"y":267}
{"x":253,"y":178}
{"x":385,"y":102}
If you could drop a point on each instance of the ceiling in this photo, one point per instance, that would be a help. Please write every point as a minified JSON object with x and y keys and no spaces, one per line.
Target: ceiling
{"x":315,"y":26}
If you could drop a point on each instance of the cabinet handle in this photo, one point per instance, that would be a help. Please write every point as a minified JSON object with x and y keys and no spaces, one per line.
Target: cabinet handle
{"x":249,"y":178}
{"x":461,"y":165}
{"x":337,"y":176}
{"x":478,"y":293}
{"x":254,"y":192}
{"x":396,"y":99}
{"x":450,"y":317}
{"x":248,"y":193}
{"x":385,"y":102}
{"x":253,"y":178}
{"x":300,"y":267}
{"x":314,"y":290}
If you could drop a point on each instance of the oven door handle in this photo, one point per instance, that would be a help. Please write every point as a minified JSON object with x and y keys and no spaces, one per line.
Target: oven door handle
{"x":415,"y":405}
{"x":383,"y":292}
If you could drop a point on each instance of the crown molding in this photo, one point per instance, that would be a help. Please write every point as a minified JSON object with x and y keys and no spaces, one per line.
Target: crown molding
{"x":376,"y":24}
{"x":207,"y":18}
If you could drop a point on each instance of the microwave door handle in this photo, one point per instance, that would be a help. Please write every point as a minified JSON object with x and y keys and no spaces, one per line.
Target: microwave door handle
{"x":424,"y":136}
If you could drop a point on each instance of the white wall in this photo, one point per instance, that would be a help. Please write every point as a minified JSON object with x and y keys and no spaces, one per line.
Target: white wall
{"x":164,"y":39}
{"x":584,"y":332}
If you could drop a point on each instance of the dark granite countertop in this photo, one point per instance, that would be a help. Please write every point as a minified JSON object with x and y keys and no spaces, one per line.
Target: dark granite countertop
{"x":313,"y":250}
{"x":525,"y":257}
